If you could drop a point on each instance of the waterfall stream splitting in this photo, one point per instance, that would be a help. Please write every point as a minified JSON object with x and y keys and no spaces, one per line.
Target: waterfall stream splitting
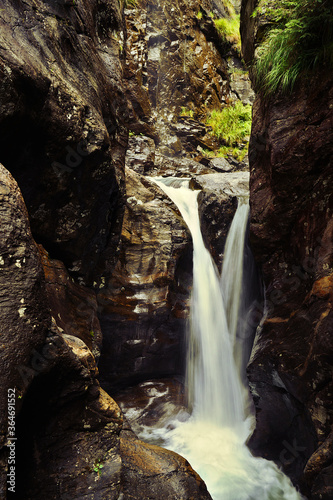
{"x":214,"y":435}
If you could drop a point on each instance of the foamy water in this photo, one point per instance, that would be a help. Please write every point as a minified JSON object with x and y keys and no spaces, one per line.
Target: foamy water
{"x":213,"y":437}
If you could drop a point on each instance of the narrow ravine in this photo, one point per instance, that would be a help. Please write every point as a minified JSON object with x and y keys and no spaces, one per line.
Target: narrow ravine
{"x":212,"y":437}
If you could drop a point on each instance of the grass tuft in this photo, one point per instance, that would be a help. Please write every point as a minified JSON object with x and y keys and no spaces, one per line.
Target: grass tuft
{"x":231,"y":126}
{"x":128,"y":4}
{"x":229,"y":30}
{"x":299,"y":40}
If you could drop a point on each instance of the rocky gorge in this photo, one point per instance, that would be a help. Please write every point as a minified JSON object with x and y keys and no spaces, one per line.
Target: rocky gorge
{"x":96,"y":98}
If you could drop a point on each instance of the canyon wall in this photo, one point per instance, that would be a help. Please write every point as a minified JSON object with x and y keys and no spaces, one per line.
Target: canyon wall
{"x":177,"y":68}
{"x":290,"y":372}
{"x":96,"y":262}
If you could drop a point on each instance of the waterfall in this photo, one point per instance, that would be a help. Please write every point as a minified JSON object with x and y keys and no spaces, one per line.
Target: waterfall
{"x":213,"y":437}
{"x":210,"y":350}
{"x":232,"y":270}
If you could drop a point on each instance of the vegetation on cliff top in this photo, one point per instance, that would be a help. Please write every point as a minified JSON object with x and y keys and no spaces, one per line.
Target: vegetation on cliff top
{"x":228,"y":27}
{"x":299,"y":40}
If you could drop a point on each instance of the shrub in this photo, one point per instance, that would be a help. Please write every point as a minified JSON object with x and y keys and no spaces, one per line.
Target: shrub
{"x":299,"y":39}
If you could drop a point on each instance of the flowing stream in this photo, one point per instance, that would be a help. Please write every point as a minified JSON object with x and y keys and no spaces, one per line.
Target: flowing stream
{"x":213,"y":436}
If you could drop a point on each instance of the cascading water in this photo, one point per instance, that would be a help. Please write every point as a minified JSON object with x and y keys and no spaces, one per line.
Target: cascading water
{"x":213,"y":437}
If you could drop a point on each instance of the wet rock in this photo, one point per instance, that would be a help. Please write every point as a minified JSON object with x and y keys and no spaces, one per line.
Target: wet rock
{"x":152,"y":405}
{"x":140,"y":154}
{"x":240,"y":84}
{"x":217,"y":206}
{"x":24,"y":315}
{"x":73,"y":307}
{"x":62,"y":132}
{"x":291,"y":233}
{"x":144,"y":306}
{"x":58,"y":403}
{"x":150,"y":471}
{"x":68,"y":430}
{"x":179,"y":167}
{"x":220,"y":164}
{"x":230,"y":184}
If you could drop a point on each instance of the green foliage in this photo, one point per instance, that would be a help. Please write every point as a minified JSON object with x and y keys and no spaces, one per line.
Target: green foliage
{"x":232,"y":123}
{"x":229,"y":29}
{"x":97,"y":467}
{"x":299,"y":40}
{"x":228,"y":5}
{"x":231,"y":126}
{"x":186,"y":112}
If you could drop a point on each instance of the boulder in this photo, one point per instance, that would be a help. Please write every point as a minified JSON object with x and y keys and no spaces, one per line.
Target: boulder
{"x":150,"y":472}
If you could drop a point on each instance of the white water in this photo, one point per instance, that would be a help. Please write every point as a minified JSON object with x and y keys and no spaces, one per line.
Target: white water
{"x":213,"y":438}
{"x":232,"y":270}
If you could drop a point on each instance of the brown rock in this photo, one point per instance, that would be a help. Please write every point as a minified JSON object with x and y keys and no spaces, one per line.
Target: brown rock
{"x":68,"y":430}
{"x":73,"y":307}
{"x":150,"y":471}
{"x":291,"y":234}
{"x":217,"y":206}
{"x":24,"y":315}
{"x":143,"y":308}
{"x":61,"y":124}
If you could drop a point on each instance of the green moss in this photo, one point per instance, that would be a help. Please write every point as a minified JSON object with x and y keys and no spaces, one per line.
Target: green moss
{"x":299,"y":40}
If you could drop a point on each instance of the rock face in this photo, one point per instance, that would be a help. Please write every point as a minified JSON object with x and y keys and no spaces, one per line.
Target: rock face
{"x":61,"y":124}
{"x":144,"y":307}
{"x":74,"y":307}
{"x":177,"y":64}
{"x":291,"y":232}
{"x":67,"y":428}
{"x":24,"y":315}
